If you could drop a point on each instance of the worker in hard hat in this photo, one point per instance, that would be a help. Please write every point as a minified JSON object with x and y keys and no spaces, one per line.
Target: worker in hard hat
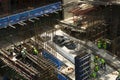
{"x":93,"y":74}
{"x":103,"y":64}
{"x":118,"y":77}
{"x":96,"y":68}
{"x":35,"y":51}
{"x":99,"y":44}
{"x":23,"y":53}
{"x":105,"y":45}
{"x":96,"y":60}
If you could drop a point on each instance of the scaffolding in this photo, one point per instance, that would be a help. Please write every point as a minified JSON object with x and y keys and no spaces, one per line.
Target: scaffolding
{"x":101,"y":20}
{"x":36,"y":68}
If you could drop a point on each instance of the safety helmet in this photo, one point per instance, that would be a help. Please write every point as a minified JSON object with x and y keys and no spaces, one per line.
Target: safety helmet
{"x":96,"y":64}
{"x":32,"y":46}
{"x":98,"y":41}
{"x":21,"y":42}
{"x":96,"y":56}
{"x":24,"y":48}
{"x":12,"y":47}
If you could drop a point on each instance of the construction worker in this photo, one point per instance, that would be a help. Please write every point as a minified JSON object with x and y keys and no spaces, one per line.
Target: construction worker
{"x":23,"y":53}
{"x":94,"y":74}
{"x":99,"y":44}
{"x":96,"y":59}
{"x":118,"y":77}
{"x":96,"y":68}
{"x":35,"y":51}
{"x":105,"y":45}
{"x":103,"y":64}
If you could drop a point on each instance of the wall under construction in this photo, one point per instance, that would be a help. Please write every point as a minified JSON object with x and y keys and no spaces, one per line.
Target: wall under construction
{"x":102,"y":22}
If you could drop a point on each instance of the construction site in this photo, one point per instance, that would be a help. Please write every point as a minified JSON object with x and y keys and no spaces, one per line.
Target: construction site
{"x":59,"y":39}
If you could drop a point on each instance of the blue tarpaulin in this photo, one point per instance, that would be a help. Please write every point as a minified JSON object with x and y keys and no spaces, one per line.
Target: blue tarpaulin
{"x":57,"y":62}
{"x":13,"y":19}
{"x":4,"y":22}
{"x":61,"y":77}
{"x":52,"y":58}
{"x":24,"y":16}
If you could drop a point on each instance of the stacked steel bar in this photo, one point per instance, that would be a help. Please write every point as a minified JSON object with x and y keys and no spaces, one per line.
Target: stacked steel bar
{"x":42,"y":70}
{"x":17,"y":67}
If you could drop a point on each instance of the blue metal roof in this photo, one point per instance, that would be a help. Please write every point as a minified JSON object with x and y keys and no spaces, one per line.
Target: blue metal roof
{"x":13,"y":19}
